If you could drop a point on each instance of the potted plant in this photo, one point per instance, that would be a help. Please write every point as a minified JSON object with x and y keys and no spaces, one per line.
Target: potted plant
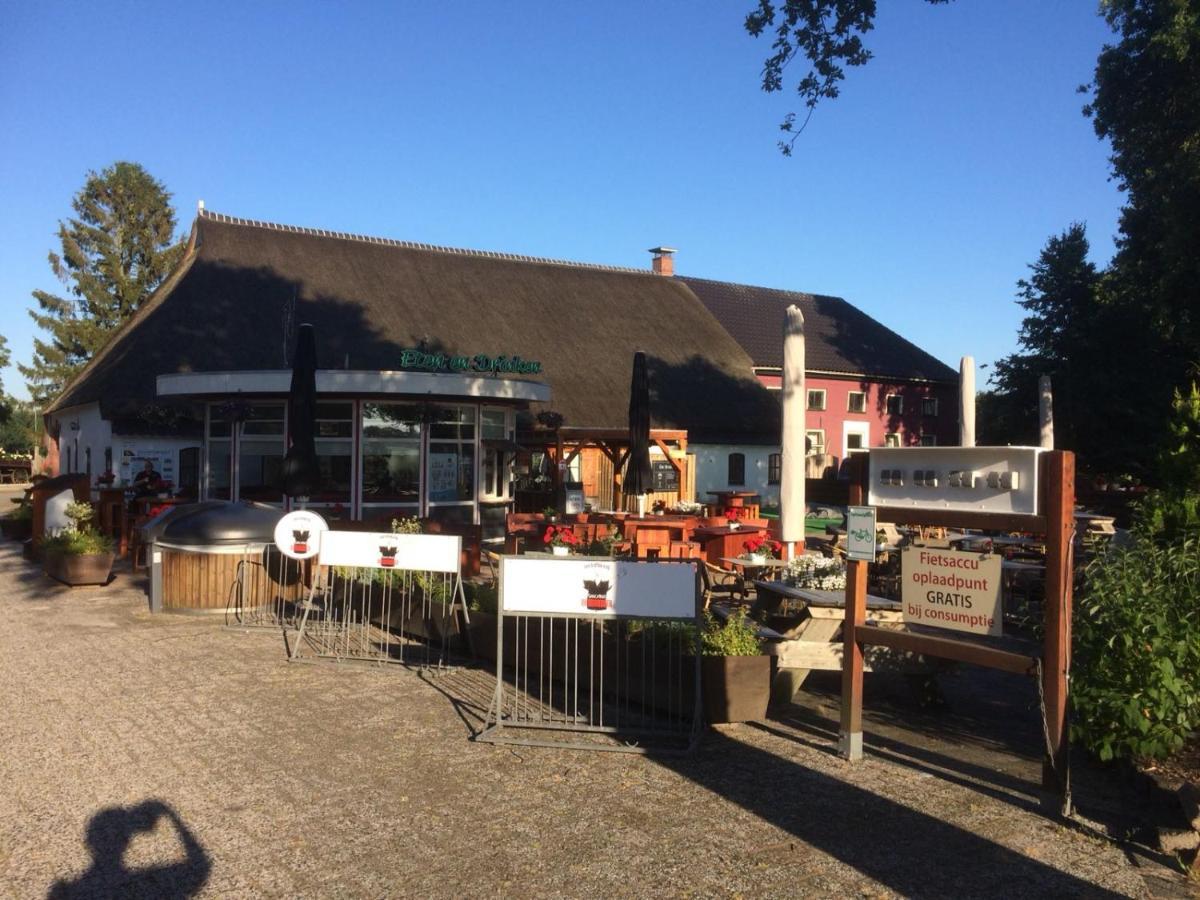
{"x":78,"y":554}
{"x":734,"y":672}
{"x":731,"y":517}
{"x":550,"y":513}
{"x":659,"y":508}
{"x":560,"y":539}
{"x":818,"y":573}
{"x":760,"y":548}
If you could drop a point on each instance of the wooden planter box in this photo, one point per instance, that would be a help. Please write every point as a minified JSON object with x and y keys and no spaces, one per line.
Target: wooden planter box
{"x":736,"y":688}
{"x":92,"y":568}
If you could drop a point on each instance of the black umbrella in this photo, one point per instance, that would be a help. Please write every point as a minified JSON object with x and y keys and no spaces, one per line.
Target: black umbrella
{"x":301,"y":473}
{"x":638,"y":478}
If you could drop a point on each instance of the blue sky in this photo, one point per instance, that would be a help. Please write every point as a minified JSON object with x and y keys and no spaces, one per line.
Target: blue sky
{"x":586,"y":132}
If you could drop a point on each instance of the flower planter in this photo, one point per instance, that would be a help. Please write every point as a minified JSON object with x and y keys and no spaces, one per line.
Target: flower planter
{"x":560,"y":551}
{"x":736,"y":688}
{"x":91,"y":568}
{"x":758,"y":559}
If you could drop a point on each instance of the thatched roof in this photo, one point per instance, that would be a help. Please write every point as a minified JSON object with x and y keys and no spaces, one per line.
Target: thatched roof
{"x":243,"y":285}
{"x":839,"y":338}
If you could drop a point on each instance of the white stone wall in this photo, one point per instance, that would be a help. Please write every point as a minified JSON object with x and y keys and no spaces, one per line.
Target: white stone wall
{"x":712,"y":470}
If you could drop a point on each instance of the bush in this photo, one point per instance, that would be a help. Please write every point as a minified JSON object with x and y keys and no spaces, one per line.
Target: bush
{"x":78,"y":543}
{"x":1136,"y":680}
{"x":482,"y":598}
{"x":736,"y":636}
{"x":1166,"y":516}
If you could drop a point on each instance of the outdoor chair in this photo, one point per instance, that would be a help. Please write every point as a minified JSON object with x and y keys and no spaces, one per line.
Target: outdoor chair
{"x":722,"y":583}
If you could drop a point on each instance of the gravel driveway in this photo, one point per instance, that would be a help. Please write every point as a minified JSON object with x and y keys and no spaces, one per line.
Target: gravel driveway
{"x":164,"y":755}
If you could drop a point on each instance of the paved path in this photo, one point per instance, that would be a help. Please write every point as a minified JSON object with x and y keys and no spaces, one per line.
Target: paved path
{"x":156,"y":756}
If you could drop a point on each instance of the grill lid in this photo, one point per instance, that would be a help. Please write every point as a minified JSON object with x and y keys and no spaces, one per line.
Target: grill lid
{"x":215,"y":522}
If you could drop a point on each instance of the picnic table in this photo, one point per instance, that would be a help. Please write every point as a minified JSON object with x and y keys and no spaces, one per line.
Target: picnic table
{"x":749,"y":566}
{"x":808,"y":637}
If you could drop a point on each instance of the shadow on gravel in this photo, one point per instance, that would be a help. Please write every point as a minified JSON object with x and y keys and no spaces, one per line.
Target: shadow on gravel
{"x":913,"y":853}
{"x":109,"y":834}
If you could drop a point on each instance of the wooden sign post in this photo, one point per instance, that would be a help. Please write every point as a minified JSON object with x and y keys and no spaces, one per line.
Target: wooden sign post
{"x":1056,"y":521}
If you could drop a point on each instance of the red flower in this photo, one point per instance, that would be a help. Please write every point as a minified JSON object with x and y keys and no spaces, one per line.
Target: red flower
{"x":549,"y":535}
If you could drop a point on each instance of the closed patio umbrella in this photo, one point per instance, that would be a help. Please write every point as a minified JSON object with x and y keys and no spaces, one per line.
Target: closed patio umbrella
{"x":792,"y":509}
{"x":301,"y":473}
{"x":638,"y":477}
{"x":966,"y":401}
{"x":1045,"y":413}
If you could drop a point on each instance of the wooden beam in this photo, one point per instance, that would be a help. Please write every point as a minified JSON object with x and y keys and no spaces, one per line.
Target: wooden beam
{"x":949,"y":648}
{"x":667,"y":453}
{"x":1058,"y":503}
{"x":961,"y":519}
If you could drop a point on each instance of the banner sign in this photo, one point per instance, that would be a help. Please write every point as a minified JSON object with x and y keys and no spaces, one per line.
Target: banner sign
{"x":480,"y":362}
{"x":383,"y":550}
{"x":860,"y":533}
{"x":583,"y":586}
{"x":951,"y":589}
{"x":298,"y":534}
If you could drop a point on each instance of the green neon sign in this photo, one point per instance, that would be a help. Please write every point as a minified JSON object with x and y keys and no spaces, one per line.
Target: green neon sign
{"x":480,"y":362}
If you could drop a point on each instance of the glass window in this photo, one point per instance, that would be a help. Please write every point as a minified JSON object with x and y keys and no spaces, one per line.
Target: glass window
{"x":929,"y":440}
{"x":929,"y":406}
{"x":816,"y":399}
{"x":452,"y":455}
{"x":219,"y":447}
{"x":494,"y":425}
{"x":891,"y":439}
{"x":775,"y":468}
{"x":854,"y":441}
{"x":261,"y":448}
{"x":895,"y":405}
{"x":391,"y":454}
{"x":335,"y":447}
{"x":856,"y":402}
{"x":814,"y":442}
{"x":737,"y":469}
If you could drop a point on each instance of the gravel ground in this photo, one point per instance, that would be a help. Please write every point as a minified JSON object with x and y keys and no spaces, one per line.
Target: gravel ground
{"x":162,"y":756}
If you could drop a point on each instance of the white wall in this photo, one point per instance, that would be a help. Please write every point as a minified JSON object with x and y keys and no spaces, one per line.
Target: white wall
{"x":83,"y":428}
{"x":712,"y":470}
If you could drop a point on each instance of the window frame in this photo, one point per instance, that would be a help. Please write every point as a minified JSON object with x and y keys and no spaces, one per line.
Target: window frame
{"x":809,"y":405}
{"x":892,"y":439}
{"x":850,"y":395}
{"x":887,"y":404}
{"x":929,"y":440}
{"x":740,"y":459}
{"x":926,"y":402}
{"x":774,"y":468}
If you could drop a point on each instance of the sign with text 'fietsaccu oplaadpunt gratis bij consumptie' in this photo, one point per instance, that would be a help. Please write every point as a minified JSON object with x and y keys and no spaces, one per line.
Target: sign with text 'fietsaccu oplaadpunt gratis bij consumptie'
{"x":951,"y":589}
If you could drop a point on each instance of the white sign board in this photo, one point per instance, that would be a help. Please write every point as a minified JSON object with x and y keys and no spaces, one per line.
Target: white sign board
{"x":582,"y":586}
{"x":383,"y":550}
{"x":951,"y":589}
{"x":979,"y":479}
{"x":298,"y":534}
{"x":860,"y":533}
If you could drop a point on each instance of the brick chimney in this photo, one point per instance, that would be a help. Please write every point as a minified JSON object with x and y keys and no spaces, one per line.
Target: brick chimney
{"x":663,"y":262}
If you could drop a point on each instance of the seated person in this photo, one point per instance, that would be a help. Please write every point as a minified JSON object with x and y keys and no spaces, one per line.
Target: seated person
{"x":147,"y":481}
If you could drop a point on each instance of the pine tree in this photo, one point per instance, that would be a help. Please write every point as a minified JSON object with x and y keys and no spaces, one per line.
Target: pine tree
{"x":116,"y":251}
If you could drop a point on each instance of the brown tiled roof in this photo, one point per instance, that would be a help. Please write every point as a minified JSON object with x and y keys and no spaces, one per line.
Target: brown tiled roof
{"x":369,"y":298}
{"x":838,"y":337}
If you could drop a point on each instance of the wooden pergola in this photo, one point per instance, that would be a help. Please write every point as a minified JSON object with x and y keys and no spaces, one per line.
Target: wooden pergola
{"x":566,"y":443}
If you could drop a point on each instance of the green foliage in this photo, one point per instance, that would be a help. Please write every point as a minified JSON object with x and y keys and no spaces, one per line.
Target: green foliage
{"x":78,"y":543}
{"x":410,"y":525}
{"x":1166,"y":516}
{"x":483,"y":598}
{"x":828,"y":33}
{"x":1136,"y":679}
{"x":736,"y":636}
{"x":18,"y":432}
{"x":22,"y":512}
{"x":81,"y":513}
{"x":5,"y":403}
{"x":113,"y":256}
{"x":1174,"y":511}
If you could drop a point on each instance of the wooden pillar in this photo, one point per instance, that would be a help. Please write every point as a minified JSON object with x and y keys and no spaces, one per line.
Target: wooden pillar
{"x":851,"y":733}
{"x":1058,"y":499}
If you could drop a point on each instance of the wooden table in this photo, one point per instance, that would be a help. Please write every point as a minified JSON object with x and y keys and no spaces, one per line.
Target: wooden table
{"x":721,"y":540}
{"x":810,"y":638}
{"x":749,"y":566}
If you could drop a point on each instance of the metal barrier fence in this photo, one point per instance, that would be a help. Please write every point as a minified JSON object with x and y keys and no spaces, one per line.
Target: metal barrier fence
{"x":597,"y":655}
{"x":399,"y":601}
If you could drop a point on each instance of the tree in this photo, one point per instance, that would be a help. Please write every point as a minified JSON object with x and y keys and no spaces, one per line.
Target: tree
{"x":1146,"y":101}
{"x":5,"y":406}
{"x":19,"y":434}
{"x":114,"y":254}
{"x":828,"y":33}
